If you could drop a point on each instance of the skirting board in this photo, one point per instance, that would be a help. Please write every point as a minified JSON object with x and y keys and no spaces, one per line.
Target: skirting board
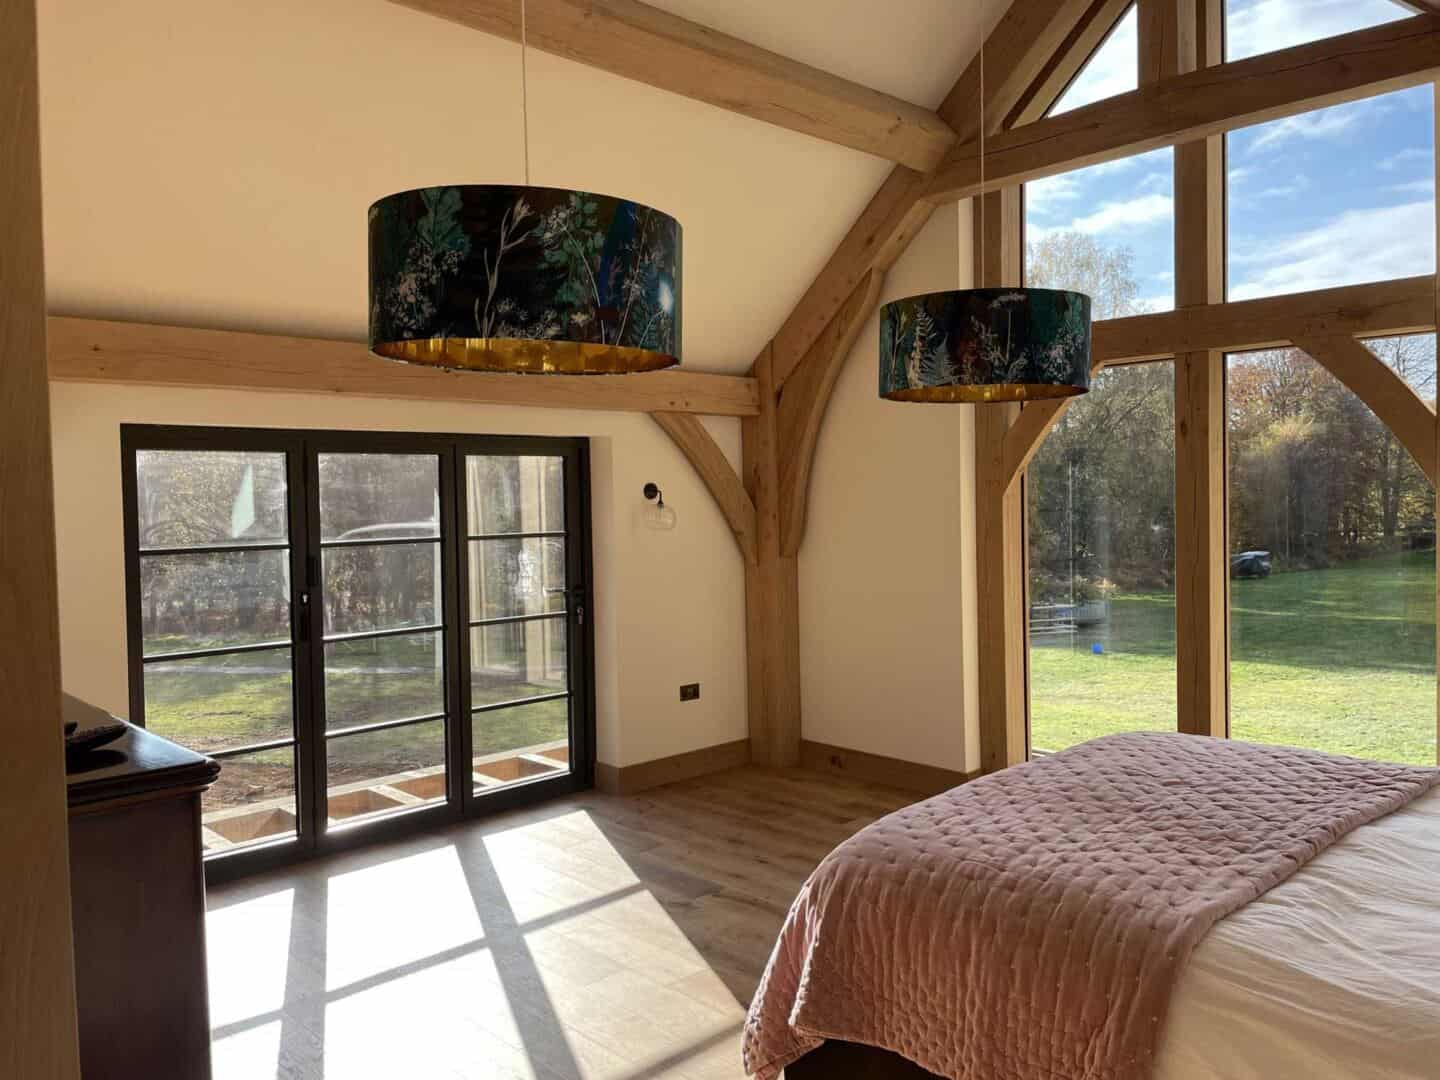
{"x":878,"y":769}
{"x":628,"y":779}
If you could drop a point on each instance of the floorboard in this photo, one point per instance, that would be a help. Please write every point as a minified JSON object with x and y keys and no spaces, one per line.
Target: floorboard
{"x":597,"y":936}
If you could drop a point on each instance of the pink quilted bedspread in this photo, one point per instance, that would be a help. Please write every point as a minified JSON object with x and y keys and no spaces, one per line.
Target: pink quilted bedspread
{"x":1032,"y":923}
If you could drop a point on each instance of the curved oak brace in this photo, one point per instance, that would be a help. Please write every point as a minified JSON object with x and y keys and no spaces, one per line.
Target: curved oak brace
{"x":1026,"y":435}
{"x":805,"y":398}
{"x":1392,"y":399}
{"x":697,"y":445}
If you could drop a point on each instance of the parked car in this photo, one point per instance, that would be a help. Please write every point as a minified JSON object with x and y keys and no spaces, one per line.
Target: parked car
{"x":1250,"y":564}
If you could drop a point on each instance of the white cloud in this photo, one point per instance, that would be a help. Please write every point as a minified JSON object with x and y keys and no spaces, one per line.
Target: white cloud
{"x":1322,"y":124}
{"x":1359,"y":245}
{"x":1114,"y":69}
{"x":1145,"y":210}
{"x":1158,"y":181}
{"x":1415,"y":187}
{"x":1044,"y":197}
{"x":1262,"y":26}
{"x":1404,"y":157}
{"x":1239,"y":175}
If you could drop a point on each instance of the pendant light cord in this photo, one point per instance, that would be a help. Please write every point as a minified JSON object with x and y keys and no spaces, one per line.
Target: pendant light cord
{"x":524,"y":95}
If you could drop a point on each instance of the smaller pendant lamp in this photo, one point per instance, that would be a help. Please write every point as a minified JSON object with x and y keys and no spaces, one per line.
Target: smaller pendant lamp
{"x":531,"y":280}
{"x":985,"y":345}
{"x":981,"y":345}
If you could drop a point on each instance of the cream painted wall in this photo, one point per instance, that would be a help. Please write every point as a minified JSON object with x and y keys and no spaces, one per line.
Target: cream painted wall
{"x":887,"y":569}
{"x":669,"y":606}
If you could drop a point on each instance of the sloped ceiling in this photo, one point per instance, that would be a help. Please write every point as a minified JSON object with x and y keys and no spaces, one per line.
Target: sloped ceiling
{"x":211,"y":163}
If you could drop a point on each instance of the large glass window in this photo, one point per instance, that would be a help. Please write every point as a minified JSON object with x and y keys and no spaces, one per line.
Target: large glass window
{"x":1253,"y":27}
{"x":1114,"y":68}
{"x":1339,"y":196}
{"x":1332,"y":564}
{"x":1101,"y":531}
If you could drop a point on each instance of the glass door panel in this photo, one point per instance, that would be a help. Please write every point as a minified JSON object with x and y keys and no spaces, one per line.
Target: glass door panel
{"x":383,"y":653}
{"x":522,"y":610}
{"x":211,"y":550}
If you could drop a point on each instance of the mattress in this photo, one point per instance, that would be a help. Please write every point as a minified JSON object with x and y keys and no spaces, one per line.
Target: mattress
{"x":1333,"y":973}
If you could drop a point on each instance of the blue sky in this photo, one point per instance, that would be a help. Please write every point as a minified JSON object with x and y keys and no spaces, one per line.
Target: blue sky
{"x":1334,"y":197}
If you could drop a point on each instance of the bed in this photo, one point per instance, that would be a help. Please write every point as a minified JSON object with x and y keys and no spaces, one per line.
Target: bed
{"x":1277,"y":916}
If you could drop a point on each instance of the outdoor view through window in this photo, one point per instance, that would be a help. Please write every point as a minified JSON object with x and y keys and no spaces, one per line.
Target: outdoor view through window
{"x":1101,"y":491}
{"x":1331,"y":524}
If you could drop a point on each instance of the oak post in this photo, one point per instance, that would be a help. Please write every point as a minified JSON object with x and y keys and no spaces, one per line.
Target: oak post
{"x":772,"y":592}
{"x":37,"y":967}
{"x":1202,"y":638}
{"x":1000,"y":524}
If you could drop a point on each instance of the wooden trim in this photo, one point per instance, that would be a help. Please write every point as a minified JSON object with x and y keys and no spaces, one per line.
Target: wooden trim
{"x":878,"y":769}
{"x":629,"y":779}
{"x":1392,"y":399}
{"x":724,"y":484}
{"x":37,"y":975}
{"x":644,"y":43}
{"x":1198,"y":104}
{"x":804,"y":401}
{"x":97,"y":350}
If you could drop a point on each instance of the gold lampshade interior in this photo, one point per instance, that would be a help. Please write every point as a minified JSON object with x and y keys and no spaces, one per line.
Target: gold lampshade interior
{"x":524,"y":356}
{"x":978,"y":393}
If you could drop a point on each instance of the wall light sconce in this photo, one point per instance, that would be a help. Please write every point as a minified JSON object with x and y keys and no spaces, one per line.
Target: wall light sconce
{"x":658,"y":516}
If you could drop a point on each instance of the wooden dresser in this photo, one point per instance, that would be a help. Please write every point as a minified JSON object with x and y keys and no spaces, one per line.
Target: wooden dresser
{"x":138,"y":904}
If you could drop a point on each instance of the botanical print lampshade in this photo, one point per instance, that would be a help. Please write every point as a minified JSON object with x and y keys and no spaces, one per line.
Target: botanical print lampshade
{"x":524,"y":279}
{"x":985,"y":345}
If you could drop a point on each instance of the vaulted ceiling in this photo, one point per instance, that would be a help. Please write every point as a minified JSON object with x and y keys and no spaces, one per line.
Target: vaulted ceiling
{"x":211,"y":164}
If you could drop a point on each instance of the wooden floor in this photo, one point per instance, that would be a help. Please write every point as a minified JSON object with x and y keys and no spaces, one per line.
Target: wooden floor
{"x":597,"y":936}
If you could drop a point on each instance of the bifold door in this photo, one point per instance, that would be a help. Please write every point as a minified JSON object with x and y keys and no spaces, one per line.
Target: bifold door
{"x":371,"y":632}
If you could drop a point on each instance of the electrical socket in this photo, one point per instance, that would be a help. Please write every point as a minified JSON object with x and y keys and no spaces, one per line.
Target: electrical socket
{"x":690,"y":691}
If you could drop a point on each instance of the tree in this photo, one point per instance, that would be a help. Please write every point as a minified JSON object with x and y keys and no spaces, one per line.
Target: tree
{"x":1078,"y":262}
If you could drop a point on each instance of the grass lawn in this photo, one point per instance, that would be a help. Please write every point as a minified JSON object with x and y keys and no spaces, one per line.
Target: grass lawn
{"x":216,"y":703}
{"x":1340,"y":659}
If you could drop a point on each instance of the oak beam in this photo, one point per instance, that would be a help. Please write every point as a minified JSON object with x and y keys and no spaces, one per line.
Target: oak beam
{"x":96,"y":350}
{"x":37,"y":967}
{"x":652,"y":46}
{"x":772,"y":594}
{"x":710,"y":463}
{"x":804,"y":401}
{"x":1382,"y":309}
{"x":1393,"y":400}
{"x":1179,"y":36}
{"x":1198,"y":104}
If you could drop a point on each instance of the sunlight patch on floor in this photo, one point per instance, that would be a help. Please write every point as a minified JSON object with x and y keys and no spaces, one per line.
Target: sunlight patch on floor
{"x":534,"y":953}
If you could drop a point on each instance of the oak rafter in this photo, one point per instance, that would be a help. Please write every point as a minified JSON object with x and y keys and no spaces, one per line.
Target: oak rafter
{"x":652,"y":46}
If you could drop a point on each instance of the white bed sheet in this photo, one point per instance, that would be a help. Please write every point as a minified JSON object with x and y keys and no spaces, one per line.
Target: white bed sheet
{"x":1334,"y":973}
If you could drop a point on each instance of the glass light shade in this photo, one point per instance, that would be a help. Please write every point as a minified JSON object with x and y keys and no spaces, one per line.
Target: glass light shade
{"x":533,"y":280}
{"x":974,"y":345}
{"x":660,"y":517}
